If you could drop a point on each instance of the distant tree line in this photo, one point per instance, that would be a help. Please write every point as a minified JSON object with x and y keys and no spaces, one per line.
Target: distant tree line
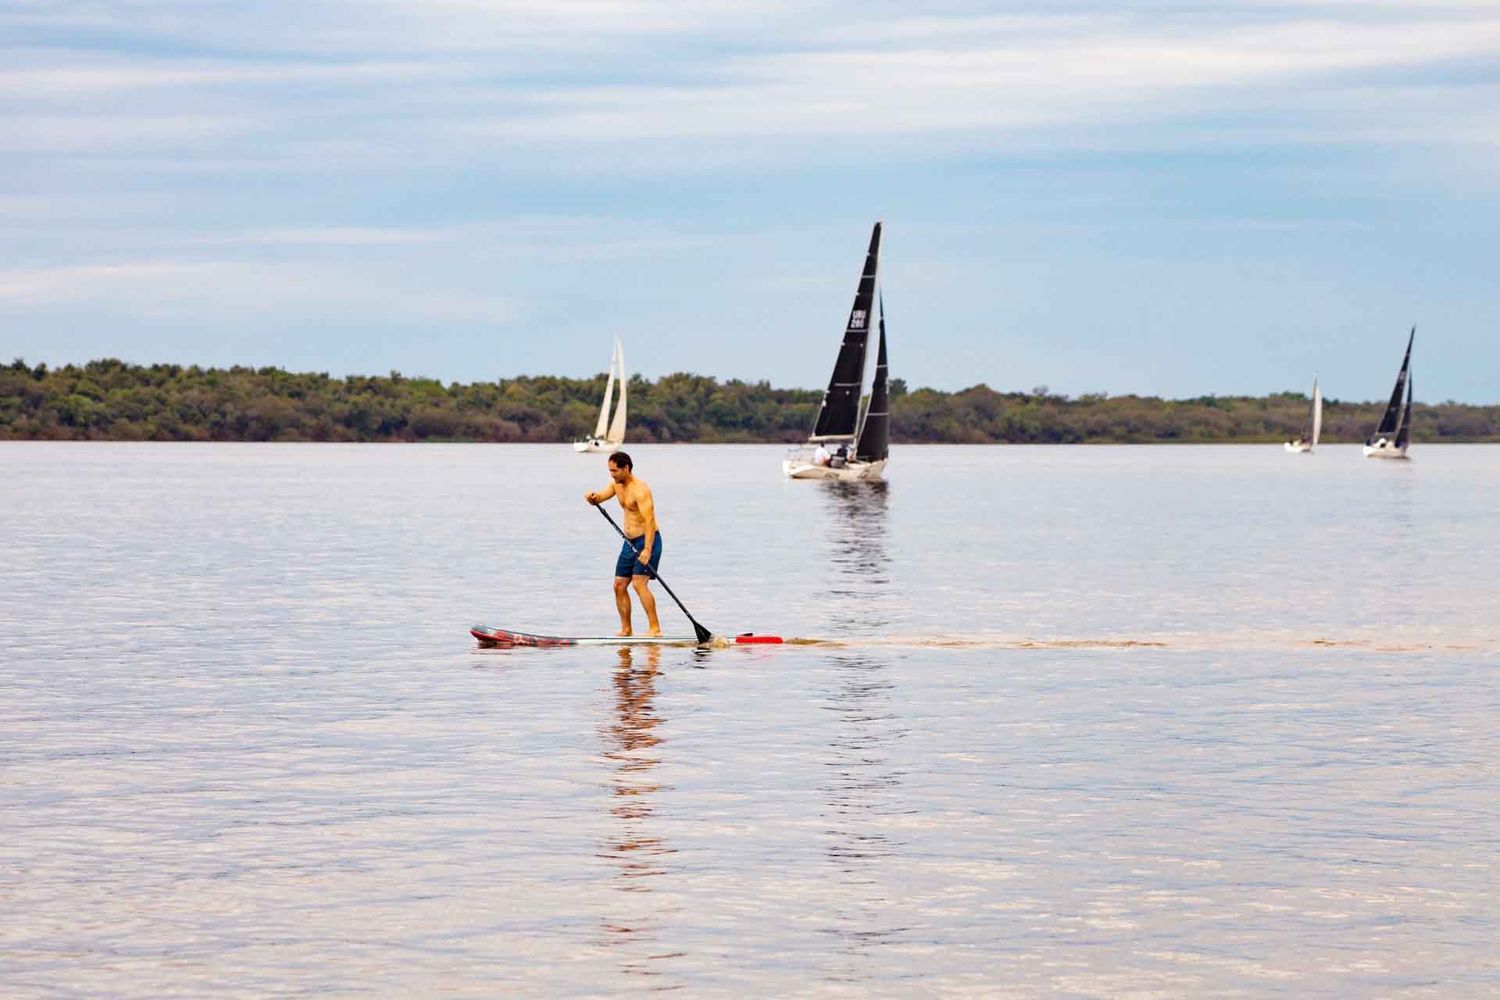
{"x":114,"y":401}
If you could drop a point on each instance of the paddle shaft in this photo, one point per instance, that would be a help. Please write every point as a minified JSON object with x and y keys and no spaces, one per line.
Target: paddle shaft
{"x":702,"y":633}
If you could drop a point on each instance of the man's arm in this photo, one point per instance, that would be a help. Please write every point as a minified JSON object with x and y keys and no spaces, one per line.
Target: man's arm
{"x":597,"y":498}
{"x":646,"y":508}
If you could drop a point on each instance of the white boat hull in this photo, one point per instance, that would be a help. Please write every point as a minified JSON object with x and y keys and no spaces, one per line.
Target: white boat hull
{"x":848,"y":472}
{"x":1297,"y":446}
{"x":596,"y":445}
{"x":1384,"y":448}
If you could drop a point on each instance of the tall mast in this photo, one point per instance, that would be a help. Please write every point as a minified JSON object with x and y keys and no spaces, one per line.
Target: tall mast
{"x":617,"y":427}
{"x":609,"y":394}
{"x":1392,"y":417}
{"x":1317,"y":413}
{"x":874,"y":441}
{"x":838,"y":417}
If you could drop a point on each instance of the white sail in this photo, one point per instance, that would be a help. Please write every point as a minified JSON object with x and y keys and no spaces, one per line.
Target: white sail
{"x":609,"y":394}
{"x":616,"y":434}
{"x":1317,"y":415}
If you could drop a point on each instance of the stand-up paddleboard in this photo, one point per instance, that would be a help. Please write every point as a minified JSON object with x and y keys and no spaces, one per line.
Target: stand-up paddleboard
{"x":488,"y":635}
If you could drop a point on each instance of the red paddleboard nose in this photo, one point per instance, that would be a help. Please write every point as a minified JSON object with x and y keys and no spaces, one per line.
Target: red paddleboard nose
{"x":751,"y":639}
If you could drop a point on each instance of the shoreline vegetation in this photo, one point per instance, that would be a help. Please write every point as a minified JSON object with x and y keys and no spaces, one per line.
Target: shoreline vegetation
{"x":110,"y":400}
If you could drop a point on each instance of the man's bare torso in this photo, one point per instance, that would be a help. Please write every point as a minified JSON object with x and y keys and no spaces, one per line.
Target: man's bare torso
{"x":631,"y":498}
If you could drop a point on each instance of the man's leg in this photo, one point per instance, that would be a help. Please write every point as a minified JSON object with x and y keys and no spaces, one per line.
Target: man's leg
{"x":648,"y":603}
{"x":622,"y":603}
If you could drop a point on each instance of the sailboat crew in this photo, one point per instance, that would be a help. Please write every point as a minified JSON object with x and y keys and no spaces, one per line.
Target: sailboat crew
{"x":642,"y":548}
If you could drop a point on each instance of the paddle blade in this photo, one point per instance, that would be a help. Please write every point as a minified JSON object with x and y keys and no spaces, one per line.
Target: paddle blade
{"x":703,"y":634}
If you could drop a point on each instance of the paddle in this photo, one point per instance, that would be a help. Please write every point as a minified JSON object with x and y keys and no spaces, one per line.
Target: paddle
{"x":703,"y":634}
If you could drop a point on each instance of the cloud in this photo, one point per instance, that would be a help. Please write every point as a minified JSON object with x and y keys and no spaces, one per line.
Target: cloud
{"x":456,"y":164}
{"x":360,"y":272}
{"x":104,"y":134}
{"x":467,"y":81}
{"x":219,"y":291}
{"x":85,"y":77}
{"x":341,"y":28}
{"x":337,"y":236}
{"x":996,"y":75}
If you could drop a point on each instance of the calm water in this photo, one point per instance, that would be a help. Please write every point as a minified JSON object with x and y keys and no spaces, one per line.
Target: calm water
{"x":1104,"y":722}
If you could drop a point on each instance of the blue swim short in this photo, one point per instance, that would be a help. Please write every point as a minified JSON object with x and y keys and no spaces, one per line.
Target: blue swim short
{"x":628,"y":565}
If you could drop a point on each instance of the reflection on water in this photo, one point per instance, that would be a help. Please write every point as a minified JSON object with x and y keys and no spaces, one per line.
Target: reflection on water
{"x":633,"y":741}
{"x":862,"y":784}
{"x":855,"y":538}
{"x":1401,"y":534}
{"x":862,"y":793}
{"x":637,"y":855}
{"x":1184,"y":722}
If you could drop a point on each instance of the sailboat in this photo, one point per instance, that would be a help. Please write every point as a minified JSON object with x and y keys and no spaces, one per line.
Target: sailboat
{"x":851,"y":439}
{"x":1394,"y":433}
{"x":609,"y":434}
{"x":1308,"y":439}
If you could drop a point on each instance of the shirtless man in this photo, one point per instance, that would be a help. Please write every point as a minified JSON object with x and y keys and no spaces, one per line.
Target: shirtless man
{"x":644,"y":547}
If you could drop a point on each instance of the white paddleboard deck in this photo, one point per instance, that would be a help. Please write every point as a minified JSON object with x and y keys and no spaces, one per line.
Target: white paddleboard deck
{"x":488,"y":635}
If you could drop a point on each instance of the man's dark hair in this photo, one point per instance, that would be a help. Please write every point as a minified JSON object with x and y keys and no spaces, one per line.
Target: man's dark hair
{"x":620,"y":460}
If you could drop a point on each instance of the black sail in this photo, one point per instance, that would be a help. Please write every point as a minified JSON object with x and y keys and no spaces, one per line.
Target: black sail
{"x":1392,"y":418}
{"x":1404,"y":434}
{"x":839,"y":415}
{"x":875,"y":436}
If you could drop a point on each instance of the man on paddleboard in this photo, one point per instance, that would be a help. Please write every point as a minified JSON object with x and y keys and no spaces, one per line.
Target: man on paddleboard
{"x":643,"y":545}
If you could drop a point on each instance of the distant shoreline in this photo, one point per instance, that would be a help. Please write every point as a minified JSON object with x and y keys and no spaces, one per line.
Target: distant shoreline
{"x":110,"y":400}
{"x":631,"y":446}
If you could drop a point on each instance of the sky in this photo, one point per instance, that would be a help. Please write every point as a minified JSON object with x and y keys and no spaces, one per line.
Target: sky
{"x":1163,"y":198}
